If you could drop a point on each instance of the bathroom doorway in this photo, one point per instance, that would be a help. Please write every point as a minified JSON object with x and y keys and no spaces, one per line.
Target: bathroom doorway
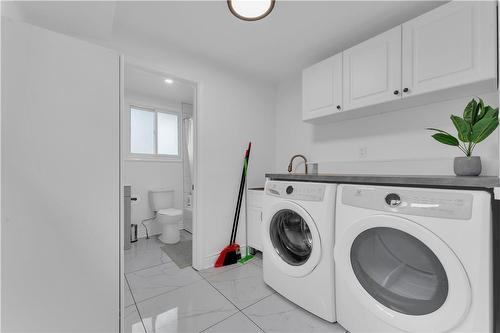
{"x":158,"y":172}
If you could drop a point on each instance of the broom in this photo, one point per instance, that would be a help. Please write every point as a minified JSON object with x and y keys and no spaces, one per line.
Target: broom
{"x":231,"y":253}
{"x":247,"y":256}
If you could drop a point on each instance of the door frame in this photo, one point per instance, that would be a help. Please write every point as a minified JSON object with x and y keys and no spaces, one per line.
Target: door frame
{"x":197,"y":227}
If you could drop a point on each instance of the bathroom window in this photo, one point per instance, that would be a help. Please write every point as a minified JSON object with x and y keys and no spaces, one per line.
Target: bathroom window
{"x":154,"y":133}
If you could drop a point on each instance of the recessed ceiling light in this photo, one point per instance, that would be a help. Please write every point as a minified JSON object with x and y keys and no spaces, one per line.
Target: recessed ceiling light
{"x":250,"y":10}
{"x":169,"y":81}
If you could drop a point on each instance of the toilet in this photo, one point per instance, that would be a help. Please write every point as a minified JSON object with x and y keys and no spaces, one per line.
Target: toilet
{"x":162,"y":202}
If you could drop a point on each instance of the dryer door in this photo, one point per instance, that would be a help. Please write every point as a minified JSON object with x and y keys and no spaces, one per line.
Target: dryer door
{"x":292,"y":239}
{"x":404,"y":274}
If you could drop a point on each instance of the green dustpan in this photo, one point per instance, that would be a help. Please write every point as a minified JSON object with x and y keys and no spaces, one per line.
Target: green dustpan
{"x":246,"y":258}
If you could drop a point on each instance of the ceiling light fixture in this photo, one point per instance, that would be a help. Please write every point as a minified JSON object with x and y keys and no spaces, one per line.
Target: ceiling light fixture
{"x":250,"y":10}
{"x":169,"y":81}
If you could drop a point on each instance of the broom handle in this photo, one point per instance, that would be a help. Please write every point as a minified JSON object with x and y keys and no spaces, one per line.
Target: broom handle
{"x":240,"y":195}
{"x":239,"y":204}
{"x":237,"y":210}
{"x":246,"y":218}
{"x":237,"y":215}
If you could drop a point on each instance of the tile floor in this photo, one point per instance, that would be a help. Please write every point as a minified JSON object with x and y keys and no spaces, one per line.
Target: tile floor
{"x":160,"y":297}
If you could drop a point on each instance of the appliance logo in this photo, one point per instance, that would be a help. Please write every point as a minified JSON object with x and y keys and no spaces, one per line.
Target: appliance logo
{"x":393,"y":200}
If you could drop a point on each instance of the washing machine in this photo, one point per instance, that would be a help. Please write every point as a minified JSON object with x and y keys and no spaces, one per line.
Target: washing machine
{"x":413,"y":260}
{"x":297,"y":241}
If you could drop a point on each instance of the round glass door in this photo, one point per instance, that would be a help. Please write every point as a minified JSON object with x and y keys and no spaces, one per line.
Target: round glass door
{"x":291,"y":237}
{"x":399,"y":271}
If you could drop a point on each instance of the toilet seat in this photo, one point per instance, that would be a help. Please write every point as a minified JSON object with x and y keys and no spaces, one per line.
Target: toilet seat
{"x":170,"y":212}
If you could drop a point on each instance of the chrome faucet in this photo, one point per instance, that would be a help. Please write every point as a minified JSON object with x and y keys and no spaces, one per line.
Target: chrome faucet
{"x":290,"y":166}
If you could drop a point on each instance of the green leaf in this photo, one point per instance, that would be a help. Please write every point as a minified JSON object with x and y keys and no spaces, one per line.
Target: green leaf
{"x":480,"y":111}
{"x":490,"y":112}
{"x":463,"y":128}
{"x":483,"y":128}
{"x":470,"y":112}
{"x":446,"y":139}
{"x":438,"y":130}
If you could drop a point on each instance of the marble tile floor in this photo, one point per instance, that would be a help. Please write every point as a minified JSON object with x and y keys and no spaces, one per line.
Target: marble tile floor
{"x":159,"y":297}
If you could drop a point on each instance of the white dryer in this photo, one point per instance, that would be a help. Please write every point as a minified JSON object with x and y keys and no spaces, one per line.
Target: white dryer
{"x":297,"y":237}
{"x":413,"y":260}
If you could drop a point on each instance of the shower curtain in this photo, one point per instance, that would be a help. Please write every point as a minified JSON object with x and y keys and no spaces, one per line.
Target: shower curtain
{"x":188,"y":149}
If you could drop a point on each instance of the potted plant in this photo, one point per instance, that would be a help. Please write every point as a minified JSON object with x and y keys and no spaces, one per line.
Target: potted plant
{"x":478,"y":122}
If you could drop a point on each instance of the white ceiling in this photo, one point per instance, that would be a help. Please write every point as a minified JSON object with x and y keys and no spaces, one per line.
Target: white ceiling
{"x":148,"y":84}
{"x":87,"y":19}
{"x":295,"y":35}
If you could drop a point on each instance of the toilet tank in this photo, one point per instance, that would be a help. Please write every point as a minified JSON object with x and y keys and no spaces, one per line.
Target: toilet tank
{"x":161,"y":199}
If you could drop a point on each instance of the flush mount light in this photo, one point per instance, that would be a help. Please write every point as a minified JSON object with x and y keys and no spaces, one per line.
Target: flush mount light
{"x":169,"y":81}
{"x":250,"y":10}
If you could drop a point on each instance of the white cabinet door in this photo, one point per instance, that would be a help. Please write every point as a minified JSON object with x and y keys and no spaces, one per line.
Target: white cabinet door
{"x":322,"y":88}
{"x":60,"y":183}
{"x":255,"y":200}
{"x":450,"y":46}
{"x":372,"y":71}
{"x":254,"y":227}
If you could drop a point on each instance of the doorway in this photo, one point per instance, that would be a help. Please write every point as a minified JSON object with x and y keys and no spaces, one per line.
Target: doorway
{"x":158,"y":173}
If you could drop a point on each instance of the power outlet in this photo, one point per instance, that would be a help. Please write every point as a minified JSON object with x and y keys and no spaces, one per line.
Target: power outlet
{"x":363,"y":152}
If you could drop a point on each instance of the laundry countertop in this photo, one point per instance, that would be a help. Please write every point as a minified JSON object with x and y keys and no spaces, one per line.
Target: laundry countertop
{"x":480,"y":182}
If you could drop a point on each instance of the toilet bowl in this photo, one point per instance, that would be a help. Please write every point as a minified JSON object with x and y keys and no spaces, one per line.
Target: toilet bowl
{"x":162,"y":203}
{"x":169,"y":219}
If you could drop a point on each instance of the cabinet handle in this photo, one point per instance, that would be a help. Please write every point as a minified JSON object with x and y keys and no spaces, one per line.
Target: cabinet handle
{"x":405,"y":90}
{"x":396,"y":92}
{"x":261,"y":216}
{"x":338,"y":107}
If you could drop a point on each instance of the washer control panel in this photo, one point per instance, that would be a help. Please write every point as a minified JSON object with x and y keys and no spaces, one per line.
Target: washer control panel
{"x":420,"y":202}
{"x":296,"y":191}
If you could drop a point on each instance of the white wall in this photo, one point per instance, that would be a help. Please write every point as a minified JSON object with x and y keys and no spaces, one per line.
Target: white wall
{"x":393,"y":143}
{"x":232,"y":109}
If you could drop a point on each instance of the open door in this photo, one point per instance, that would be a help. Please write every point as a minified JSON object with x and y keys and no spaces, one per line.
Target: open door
{"x":60,"y":185}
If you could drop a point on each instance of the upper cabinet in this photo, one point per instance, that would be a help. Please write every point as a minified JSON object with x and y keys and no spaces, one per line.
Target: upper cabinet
{"x":372,"y":71}
{"x":446,"y":53}
{"x":322,"y":88}
{"x":450,"y":46}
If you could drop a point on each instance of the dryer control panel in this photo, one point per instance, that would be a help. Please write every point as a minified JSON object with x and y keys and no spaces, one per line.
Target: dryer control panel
{"x":420,"y":202}
{"x":296,"y":191}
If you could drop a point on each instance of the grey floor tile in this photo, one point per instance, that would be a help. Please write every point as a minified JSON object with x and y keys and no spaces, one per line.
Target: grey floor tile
{"x":160,"y":279}
{"x":236,"y":323}
{"x":277,"y":314}
{"x":143,"y":254}
{"x":209,"y":272}
{"x":132,"y":320}
{"x":191,"y":308}
{"x":243,"y":285}
{"x":256,"y":261}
